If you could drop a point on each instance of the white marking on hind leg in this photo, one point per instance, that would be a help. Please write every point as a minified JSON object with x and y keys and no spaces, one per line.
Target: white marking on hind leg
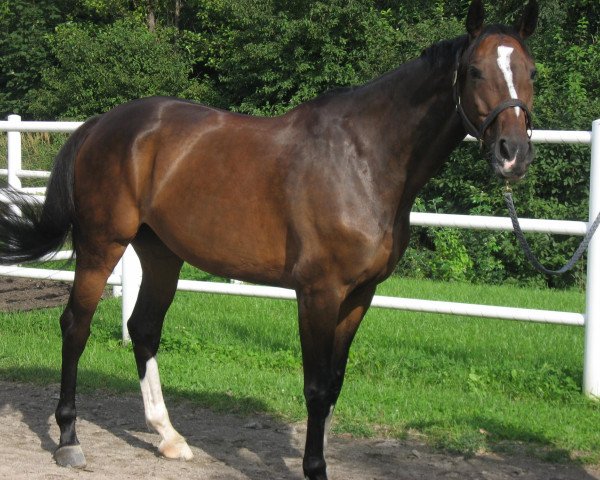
{"x":328,"y":425}
{"x":504,"y":54}
{"x":172,"y":444}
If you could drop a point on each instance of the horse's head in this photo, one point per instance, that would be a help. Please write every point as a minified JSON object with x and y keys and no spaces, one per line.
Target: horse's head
{"x":494,"y":89}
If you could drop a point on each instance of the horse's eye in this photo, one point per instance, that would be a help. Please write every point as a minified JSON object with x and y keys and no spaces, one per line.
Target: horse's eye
{"x":533,"y":74}
{"x":475,"y":73}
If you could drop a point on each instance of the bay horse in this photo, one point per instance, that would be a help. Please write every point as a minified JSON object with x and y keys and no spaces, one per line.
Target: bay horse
{"x":316,"y":200}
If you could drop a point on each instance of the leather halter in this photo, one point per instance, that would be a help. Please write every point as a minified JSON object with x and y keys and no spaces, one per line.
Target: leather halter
{"x":471,"y":129}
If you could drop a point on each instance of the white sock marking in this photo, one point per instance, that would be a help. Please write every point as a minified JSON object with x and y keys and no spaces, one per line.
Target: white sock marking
{"x":328,"y":425}
{"x":156,"y":413}
{"x":504,"y":54}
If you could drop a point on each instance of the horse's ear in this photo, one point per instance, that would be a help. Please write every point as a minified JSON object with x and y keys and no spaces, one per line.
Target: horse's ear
{"x":529,"y":19}
{"x":475,"y":18}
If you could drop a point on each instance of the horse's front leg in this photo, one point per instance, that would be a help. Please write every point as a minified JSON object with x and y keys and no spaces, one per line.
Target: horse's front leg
{"x":328,"y":324}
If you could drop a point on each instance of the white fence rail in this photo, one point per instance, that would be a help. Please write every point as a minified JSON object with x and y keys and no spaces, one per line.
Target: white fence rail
{"x":128,"y":272}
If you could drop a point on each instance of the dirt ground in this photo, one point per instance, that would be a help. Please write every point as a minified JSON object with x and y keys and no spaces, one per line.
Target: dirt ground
{"x":27,"y":294}
{"x":117,"y":443}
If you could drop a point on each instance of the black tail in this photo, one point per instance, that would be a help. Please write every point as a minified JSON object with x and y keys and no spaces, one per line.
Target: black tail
{"x":33,"y":230}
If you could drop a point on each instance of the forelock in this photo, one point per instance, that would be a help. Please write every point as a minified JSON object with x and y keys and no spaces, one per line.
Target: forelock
{"x":499,"y":30}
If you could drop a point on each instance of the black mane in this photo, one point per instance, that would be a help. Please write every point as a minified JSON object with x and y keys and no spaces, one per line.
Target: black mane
{"x":445,"y":51}
{"x":439,"y":54}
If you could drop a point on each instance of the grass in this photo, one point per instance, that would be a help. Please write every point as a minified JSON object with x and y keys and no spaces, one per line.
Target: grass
{"x":38,"y":152}
{"x":464,"y":384}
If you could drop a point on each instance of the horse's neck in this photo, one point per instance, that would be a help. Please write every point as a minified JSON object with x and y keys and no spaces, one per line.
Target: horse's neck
{"x":419,"y":124}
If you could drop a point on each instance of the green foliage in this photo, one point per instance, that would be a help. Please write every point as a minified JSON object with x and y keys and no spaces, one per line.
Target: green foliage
{"x":268,"y":56}
{"x":23,"y":50}
{"x":38,"y":151}
{"x":451,"y":261}
{"x":100,"y":68}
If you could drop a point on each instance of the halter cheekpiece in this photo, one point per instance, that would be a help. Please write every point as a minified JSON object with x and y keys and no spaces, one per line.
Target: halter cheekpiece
{"x":471,"y":129}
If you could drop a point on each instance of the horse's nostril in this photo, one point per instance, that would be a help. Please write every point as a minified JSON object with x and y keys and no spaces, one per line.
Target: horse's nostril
{"x":504,"y":149}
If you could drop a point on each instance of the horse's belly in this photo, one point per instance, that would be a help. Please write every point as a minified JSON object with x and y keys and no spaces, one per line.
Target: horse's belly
{"x":226,"y":239}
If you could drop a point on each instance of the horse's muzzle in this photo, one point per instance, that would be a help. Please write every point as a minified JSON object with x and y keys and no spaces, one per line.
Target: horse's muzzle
{"x":511,"y":157}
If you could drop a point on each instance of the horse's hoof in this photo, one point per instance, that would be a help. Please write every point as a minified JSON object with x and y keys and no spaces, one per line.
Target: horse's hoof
{"x":314,"y":469}
{"x":70,"y":456}
{"x":177,"y":450}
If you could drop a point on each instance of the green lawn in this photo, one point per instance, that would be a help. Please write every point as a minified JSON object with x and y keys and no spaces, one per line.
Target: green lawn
{"x":463,"y":383}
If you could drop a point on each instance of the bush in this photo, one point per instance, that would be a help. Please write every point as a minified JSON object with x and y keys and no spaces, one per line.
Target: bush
{"x":267,"y":56}
{"x":98,"y":68}
{"x":24,"y":52}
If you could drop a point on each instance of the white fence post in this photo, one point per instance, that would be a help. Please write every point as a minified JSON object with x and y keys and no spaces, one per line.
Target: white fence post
{"x":591,"y":354}
{"x":117,"y":290}
{"x":14,"y":154}
{"x":131,"y":277}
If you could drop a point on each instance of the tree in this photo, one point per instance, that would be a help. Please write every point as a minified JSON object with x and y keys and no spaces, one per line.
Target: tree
{"x":265,"y":56}
{"x":98,"y":68}
{"x":23,"y":50}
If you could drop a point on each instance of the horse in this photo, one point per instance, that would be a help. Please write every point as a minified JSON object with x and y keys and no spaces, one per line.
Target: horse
{"x":316,"y":200}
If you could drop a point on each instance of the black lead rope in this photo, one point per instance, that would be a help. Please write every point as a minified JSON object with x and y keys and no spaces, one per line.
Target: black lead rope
{"x":527,"y":249}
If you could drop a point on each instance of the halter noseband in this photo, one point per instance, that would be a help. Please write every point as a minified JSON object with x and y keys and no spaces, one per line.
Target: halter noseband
{"x":471,"y":129}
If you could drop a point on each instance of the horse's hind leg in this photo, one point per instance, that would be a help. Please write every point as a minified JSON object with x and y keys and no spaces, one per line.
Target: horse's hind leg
{"x":91,"y":273}
{"x":160,"y":269}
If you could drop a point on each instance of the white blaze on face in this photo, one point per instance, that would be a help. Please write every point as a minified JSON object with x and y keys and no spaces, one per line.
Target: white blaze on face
{"x":504,"y":54}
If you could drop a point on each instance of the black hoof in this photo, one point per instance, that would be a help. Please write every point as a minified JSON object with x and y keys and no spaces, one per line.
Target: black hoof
{"x":318,"y":476}
{"x":70,"y":456}
{"x":315,"y":470}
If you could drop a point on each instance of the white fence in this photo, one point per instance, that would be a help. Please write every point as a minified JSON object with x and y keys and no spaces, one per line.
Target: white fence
{"x":128,"y":272}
